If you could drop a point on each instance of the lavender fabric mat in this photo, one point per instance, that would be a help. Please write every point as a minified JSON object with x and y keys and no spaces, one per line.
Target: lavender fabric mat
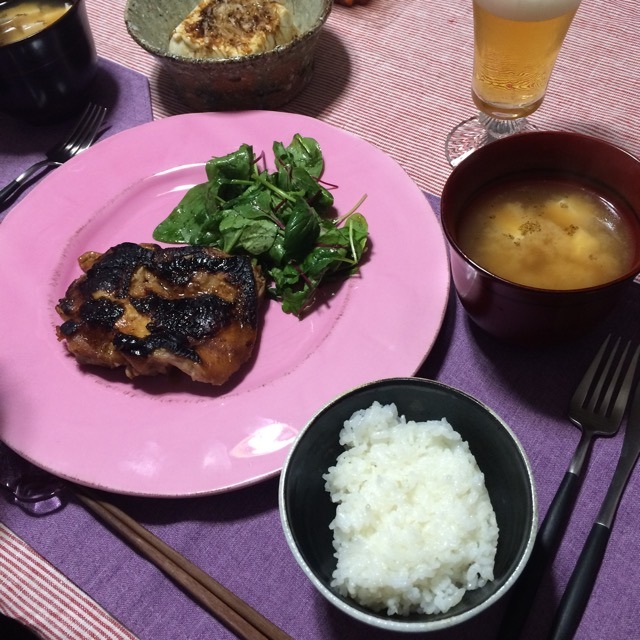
{"x":123,"y":91}
{"x":236,"y":537}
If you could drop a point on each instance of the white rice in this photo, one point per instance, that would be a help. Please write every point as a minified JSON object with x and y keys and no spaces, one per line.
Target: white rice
{"x":414,"y":526}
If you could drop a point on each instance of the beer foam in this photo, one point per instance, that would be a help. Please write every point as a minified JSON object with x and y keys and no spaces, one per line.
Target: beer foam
{"x":528,"y":10}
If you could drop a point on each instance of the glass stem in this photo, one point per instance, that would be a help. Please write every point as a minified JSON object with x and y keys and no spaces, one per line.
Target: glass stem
{"x":497,"y":128}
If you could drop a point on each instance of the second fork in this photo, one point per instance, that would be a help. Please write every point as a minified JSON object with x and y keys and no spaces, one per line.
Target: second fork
{"x":597,"y":407}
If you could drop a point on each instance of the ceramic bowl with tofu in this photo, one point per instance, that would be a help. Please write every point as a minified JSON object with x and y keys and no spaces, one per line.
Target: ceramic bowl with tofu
{"x":233,"y":55}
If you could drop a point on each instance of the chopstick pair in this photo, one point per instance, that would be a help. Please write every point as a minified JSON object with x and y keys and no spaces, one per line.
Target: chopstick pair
{"x":227,"y":607}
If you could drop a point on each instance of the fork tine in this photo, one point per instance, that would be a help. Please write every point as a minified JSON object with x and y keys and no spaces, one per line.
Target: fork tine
{"x":597,"y":391}
{"x":76,"y":129}
{"x":582,"y":390}
{"x":603,"y":392}
{"x":91,"y":121}
{"x":625,"y":389}
{"x":606,"y":402}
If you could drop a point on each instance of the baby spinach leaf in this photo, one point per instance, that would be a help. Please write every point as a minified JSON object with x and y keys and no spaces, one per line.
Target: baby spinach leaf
{"x":301,"y":152}
{"x":311,"y":190}
{"x":191,"y":221}
{"x":249,"y":235}
{"x":237,"y":165}
{"x":284,"y":219}
{"x":301,"y":230}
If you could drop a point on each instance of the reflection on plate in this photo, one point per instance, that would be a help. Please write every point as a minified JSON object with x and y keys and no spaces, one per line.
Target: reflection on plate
{"x":170,"y":436}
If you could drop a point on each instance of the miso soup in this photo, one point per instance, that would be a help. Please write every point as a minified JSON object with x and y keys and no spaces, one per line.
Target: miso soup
{"x":547,"y":234}
{"x":19,"y":20}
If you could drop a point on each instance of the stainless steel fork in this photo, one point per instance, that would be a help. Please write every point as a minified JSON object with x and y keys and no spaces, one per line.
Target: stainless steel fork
{"x":597,"y":407}
{"x":576,"y":596}
{"x":82,"y":136}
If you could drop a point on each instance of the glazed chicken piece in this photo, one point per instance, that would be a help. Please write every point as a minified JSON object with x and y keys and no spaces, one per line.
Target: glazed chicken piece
{"x":150,"y":309}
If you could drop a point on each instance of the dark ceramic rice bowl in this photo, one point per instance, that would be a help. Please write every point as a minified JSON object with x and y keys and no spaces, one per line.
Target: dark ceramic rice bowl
{"x":306,"y":508}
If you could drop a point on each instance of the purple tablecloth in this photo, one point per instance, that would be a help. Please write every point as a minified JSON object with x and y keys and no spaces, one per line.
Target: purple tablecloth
{"x":236,"y":537}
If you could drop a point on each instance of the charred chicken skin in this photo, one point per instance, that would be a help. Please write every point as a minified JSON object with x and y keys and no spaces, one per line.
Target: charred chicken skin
{"x":150,"y":309}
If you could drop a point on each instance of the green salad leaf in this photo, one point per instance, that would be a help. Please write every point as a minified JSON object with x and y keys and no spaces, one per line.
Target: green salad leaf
{"x":284,"y":219}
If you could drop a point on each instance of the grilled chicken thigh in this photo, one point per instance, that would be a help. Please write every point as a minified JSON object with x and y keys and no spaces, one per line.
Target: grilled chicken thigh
{"x":150,"y":309}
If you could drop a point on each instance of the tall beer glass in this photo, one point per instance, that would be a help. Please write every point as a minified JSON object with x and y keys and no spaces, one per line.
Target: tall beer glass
{"x":516,"y":43}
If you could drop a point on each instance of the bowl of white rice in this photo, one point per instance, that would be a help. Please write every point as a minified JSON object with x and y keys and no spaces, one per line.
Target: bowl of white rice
{"x":409,"y":505}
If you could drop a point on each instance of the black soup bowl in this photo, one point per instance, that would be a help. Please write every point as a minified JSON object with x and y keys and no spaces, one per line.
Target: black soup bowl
{"x":306,"y":508}
{"x":45,"y":76}
{"x":527,"y":315}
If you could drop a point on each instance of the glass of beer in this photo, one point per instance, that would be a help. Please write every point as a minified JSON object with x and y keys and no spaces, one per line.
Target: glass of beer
{"x":516,"y":43}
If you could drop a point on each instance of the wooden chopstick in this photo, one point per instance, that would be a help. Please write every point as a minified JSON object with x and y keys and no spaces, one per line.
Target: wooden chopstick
{"x":227,"y":607}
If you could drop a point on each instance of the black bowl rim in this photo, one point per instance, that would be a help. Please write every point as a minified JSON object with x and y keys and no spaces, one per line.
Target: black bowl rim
{"x":40,"y":34}
{"x":377,"y":620}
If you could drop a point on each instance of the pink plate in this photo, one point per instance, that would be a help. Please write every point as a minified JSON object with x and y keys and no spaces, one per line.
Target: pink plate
{"x":172,"y":437}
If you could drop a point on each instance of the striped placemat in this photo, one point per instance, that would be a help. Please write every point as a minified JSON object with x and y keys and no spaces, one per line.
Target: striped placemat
{"x":47,"y":602}
{"x":398,"y":74}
